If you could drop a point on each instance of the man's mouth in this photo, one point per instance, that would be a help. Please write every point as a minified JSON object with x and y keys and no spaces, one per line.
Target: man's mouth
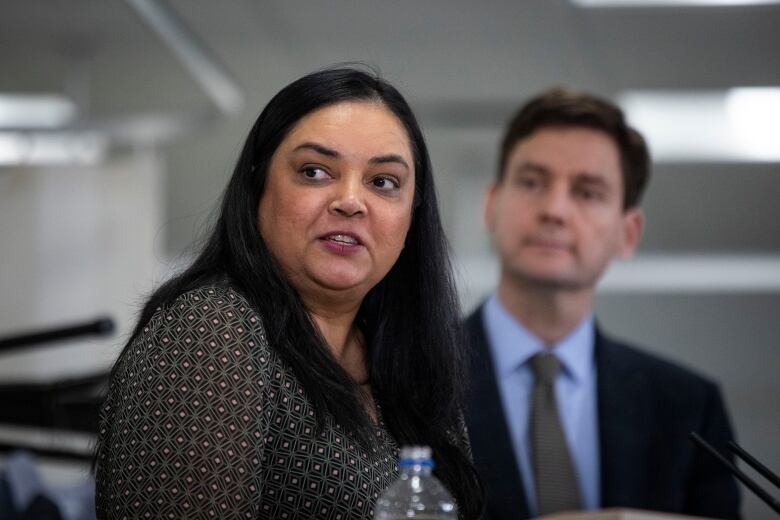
{"x":549,"y":244}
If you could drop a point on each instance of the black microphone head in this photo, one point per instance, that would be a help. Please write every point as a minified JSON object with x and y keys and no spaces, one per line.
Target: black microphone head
{"x":104,"y":326}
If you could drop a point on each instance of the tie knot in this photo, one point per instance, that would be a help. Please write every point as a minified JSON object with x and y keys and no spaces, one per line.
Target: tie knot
{"x":545,"y":367}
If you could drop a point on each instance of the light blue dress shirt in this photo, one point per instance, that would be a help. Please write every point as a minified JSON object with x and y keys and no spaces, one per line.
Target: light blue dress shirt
{"x":512,"y":346}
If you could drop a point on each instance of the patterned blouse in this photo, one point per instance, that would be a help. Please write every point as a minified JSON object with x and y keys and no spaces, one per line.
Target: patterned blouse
{"x":204,"y":420}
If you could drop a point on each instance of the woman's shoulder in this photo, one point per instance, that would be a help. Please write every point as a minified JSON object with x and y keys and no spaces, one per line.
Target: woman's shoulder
{"x":210,"y":298}
{"x":210,"y":322}
{"x":184,"y":404}
{"x":215,"y":309}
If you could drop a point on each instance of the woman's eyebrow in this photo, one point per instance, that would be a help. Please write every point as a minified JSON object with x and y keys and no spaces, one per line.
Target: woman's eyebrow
{"x":389,"y":158}
{"x":329,"y":152}
{"x":324,"y":150}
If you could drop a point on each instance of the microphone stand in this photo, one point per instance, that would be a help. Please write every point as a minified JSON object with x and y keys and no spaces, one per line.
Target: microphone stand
{"x":734,"y":470}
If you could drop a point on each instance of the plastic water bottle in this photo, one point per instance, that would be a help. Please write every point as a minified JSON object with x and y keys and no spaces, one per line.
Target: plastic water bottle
{"x":416,"y":493}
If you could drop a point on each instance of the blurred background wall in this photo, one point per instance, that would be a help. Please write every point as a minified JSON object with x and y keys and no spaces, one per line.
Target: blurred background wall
{"x":100,"y":203}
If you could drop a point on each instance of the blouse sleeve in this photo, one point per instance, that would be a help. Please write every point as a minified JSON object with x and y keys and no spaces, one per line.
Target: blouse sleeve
{"x":181,"y":432}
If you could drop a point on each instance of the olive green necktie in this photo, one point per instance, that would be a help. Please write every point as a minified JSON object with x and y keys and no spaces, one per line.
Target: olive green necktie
{"x":556,"y":482}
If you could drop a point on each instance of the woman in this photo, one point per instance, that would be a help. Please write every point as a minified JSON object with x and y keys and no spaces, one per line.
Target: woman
{"x":315,"y":333}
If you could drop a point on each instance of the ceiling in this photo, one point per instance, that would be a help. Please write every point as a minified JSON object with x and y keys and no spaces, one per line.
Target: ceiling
{"x":439,"y":50}
{"x":464,"y":66}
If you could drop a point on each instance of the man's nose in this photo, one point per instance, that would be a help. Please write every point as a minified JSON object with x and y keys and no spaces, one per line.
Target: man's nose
{"x":556,"y":203}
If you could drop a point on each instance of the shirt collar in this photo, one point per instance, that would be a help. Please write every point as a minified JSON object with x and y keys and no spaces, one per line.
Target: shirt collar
{"x":513,"y":345}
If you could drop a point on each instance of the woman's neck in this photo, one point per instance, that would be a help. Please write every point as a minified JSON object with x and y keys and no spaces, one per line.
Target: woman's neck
{"x":336,"y":324}
{"x":348,"y":346}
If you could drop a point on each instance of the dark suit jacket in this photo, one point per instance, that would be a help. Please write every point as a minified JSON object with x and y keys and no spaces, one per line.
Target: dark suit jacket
{"x":646,"y":406}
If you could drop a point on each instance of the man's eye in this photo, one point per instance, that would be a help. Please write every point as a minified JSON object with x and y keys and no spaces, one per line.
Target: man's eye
{"x":587,"y":194}
{"x":385,"y":183}
{"x":528,"y":182}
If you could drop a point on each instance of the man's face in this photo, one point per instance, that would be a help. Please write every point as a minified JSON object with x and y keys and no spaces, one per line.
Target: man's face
{"x":557,"y":215}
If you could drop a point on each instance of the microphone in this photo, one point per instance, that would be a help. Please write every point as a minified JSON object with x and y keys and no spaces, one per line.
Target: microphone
{"x":739,"y":474}
{"x":103,"y":326}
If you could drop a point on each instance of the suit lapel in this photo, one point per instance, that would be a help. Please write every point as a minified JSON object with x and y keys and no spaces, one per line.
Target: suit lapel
{"x":489,"y":433}
{"x":624,"y":426}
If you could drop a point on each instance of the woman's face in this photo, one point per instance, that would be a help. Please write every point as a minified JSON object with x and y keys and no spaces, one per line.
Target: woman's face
{"x":338,"y":198}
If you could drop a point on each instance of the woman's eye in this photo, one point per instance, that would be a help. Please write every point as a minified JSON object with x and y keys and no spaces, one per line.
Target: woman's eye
{"x":385,"y":183}
{"x":314,"y":173}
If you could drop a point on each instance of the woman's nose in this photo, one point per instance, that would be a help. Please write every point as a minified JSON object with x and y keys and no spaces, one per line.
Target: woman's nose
{"x":348,"y":199}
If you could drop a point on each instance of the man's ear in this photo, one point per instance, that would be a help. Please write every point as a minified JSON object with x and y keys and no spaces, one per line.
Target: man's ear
{"x":489,"y":206}
{"x":631,"y":233}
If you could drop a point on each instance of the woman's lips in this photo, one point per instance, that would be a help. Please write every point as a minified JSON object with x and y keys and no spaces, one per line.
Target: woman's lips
{"x":342,"y":243}
{"x":343,"y":238}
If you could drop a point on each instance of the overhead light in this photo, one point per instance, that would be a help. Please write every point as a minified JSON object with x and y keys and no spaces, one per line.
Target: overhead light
{"x":754,"y":116}
{"x":739,"y":125}
{"x":668,"y":3}
{"x":60,"y":148}
{"x":694,"y":273}
{"x":35,"y":111}
{"x":652,"y":273}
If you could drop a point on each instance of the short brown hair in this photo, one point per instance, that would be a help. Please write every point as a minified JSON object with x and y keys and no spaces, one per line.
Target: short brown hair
{"x":559,"y":107}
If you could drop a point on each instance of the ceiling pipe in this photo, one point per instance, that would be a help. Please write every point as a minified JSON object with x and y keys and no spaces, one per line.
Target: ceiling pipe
{"x":87,"y":142}
{"x":212,"y":77}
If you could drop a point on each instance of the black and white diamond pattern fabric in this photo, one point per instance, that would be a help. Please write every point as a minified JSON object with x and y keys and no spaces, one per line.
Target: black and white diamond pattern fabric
{"x":203,"y":420}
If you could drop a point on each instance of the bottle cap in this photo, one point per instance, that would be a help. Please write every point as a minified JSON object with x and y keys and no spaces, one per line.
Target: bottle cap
{"x":416,"y":455}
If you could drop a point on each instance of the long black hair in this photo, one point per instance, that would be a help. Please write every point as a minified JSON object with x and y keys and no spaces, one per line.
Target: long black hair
{"x":410,"y":319}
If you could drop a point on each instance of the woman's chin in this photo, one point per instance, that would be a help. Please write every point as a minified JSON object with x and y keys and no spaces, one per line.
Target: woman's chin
{"x":344,"y":282}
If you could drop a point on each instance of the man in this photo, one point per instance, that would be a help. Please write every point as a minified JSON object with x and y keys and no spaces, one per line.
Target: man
{"x":607,"y":423}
